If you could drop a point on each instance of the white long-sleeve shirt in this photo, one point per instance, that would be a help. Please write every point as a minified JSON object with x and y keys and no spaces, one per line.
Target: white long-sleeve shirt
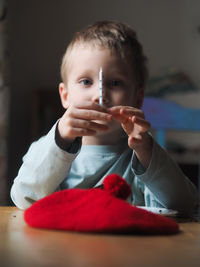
{"x":47,"y":168}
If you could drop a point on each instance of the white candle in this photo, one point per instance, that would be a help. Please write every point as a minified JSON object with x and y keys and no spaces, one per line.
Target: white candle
{"x":101,"y":87}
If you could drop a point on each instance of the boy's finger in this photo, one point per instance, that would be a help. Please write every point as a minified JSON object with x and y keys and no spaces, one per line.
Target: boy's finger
{"x":83,"y":132}
{"x":86,"y":114}
{"x":118,"y":108}
{"x":128,"y":111}
{"x":141,"y":122}
{"x":90,"y":125}
{"x":115,"y":110}
{"x":132,"y":112}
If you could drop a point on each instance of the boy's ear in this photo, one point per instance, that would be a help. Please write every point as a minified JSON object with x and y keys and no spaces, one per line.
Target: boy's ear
{"x":63,"y":95}
{"x":140,"y":98}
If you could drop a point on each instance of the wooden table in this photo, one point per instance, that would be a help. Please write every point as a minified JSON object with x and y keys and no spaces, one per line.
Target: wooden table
{"x":21,"y":246}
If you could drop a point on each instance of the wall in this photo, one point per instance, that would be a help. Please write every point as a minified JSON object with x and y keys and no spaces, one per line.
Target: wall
{"x":40,"y":30}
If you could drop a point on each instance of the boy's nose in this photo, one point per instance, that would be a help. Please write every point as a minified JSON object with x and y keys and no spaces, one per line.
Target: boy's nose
{"x":95,"y":97}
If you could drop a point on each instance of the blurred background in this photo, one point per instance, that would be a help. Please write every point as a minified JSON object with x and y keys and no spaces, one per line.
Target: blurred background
{"x":33,"y":37}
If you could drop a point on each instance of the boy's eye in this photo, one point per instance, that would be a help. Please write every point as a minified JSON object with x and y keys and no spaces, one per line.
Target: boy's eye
{"x":115,"y":83}
{"x":85,"y":82}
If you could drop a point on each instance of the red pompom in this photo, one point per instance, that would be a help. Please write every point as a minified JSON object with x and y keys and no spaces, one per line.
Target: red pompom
{"x":117,"y":186}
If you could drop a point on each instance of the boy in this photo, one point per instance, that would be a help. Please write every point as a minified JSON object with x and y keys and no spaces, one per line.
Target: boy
{"x":91,"y":141}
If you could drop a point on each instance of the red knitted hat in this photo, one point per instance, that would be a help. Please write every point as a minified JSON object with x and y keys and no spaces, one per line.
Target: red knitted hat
{"x":97,"y":211}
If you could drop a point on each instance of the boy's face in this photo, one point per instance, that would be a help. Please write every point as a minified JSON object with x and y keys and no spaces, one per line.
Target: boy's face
{"x":84,"y":63}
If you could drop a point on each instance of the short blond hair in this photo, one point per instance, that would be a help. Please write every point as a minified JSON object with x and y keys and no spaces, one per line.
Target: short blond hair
{"x":119,"y":38}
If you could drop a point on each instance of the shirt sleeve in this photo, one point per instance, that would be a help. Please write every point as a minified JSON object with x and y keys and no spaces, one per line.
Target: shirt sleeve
{"x":44,"y":167}
{"x":165,"y":185}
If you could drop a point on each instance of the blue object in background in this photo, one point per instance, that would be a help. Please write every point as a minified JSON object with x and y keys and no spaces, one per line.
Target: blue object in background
{"x":167,"y":115}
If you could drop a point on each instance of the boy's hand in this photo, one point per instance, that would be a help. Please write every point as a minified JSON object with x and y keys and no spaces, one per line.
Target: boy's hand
{"x":83,"y":119}
{"x":134,"y":124}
